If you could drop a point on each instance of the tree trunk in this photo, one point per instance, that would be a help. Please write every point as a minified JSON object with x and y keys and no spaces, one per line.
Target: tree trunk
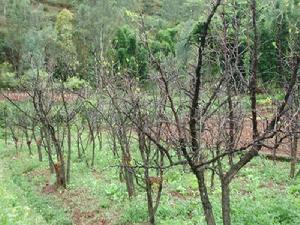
{"x":78,"y":142}
{"x":151,"y":211}
{"x":5,"y":126}
{"x":294,"y":146}
{"x":69,"y":151}
{"x":128,"y":175}
{"x":294,"y":135}
{"x":38,"y":143}
{"x":48,"y":148}
{"x":206,"y":205}
{"x":61,"y":175}
{"x":28,"y":141}
{"x":39,"y":150}
{"x":145,"y":158}
{"x":99,"y":137}
{"x":92,"y":137}
{"x":126,"y":161}
{"x":253,"y":81}
{"x":226,"y":203}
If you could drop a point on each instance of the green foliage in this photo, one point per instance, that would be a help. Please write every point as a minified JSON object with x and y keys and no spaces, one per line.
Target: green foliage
{"x":7,"y":77}
{"x":129,"y":54}
{"x":164,"y":42}
{"x":268,"y":61}
{"x":2,"y":48}
{"x":132,"y":56}
{"x":178,"y":11}
{"x":17,"y":21}
{"x":274,"y":38}
{"x":196,"y":33}
{"x":67,"y":57}
{"x":31,"y":76}
{"x":64,"y":22}
{"x":95,"y":24}
{"x":74,"y":83}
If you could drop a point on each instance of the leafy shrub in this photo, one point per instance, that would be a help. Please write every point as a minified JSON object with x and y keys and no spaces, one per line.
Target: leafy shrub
{"x":7,"y":78}
{"x":74,"y":83}
{"x":129,"y":54}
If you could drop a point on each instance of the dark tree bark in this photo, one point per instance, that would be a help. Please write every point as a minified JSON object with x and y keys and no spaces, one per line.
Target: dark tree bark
{"x":92,"y":138}
{"x":28,"y":140}
{"x":47,"y":147}
{"x":294,"y":134}
{"x":38,"y":142}
{"x":226,"y":210}
{"x":253,"y":81}
{"x":209,"y":216}
{"x":294,"y":159}
{"x":145,"y":158}
{"x":206,"y":205}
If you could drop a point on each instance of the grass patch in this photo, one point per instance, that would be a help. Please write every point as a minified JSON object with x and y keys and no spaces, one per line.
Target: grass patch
{"x":261,"y":194}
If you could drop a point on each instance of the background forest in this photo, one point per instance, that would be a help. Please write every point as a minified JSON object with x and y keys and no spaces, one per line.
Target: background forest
{"x":149,"y":112}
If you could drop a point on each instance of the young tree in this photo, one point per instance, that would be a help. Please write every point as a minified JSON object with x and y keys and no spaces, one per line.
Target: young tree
{"x":95,"y":23}
{"x":66,"y":59}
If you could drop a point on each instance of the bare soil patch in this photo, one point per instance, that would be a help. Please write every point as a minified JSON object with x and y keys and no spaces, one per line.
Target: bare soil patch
{"x":23,"y":96}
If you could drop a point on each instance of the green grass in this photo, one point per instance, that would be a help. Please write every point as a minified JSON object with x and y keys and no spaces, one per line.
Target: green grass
{"x":262,"y":194}
{"x":14,"y":207}
{"x":23,"y":202}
